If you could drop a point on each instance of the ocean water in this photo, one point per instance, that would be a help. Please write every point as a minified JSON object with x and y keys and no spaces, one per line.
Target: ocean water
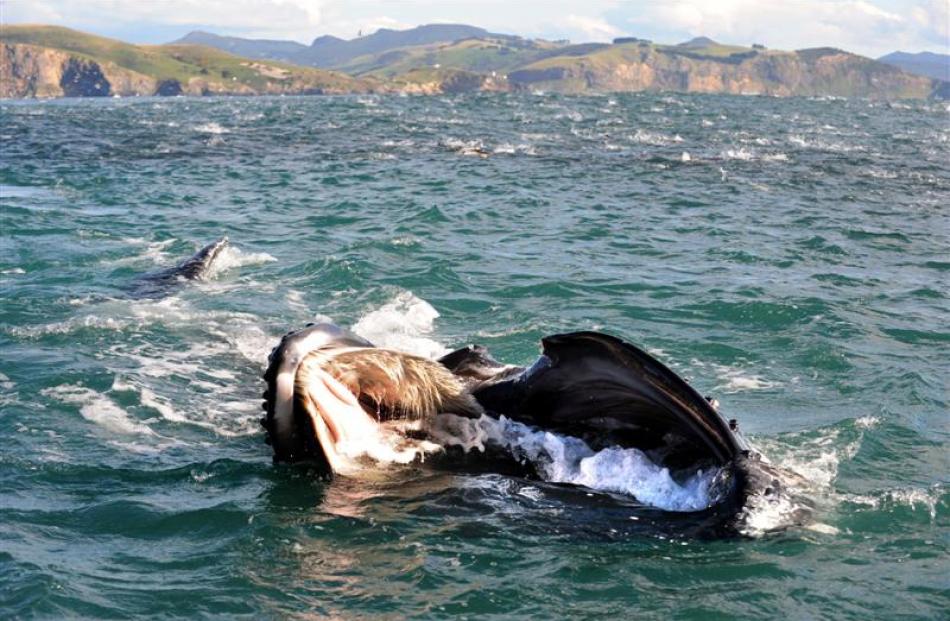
{"x":790,"y":257}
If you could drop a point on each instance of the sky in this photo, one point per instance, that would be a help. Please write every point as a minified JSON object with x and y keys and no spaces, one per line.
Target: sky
{"x":869,"y":27}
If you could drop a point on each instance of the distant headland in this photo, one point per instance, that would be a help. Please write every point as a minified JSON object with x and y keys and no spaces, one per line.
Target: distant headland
{"x":50,"y":61}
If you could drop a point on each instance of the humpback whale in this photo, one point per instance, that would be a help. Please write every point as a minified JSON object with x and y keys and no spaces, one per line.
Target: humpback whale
{"x":196,"y":267}
{"x":327,"y":388}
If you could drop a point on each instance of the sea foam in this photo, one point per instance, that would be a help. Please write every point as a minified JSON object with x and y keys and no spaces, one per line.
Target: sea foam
{"x":565,"y":459}
{"x":405,"y":323}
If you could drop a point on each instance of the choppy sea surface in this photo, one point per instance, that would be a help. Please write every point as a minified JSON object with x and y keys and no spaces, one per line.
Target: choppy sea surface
{"x":790,"y":257}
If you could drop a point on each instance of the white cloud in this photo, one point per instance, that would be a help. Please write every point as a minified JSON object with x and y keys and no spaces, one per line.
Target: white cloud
{"x":591,"y":28}
{"x":340,"y":24}
{"x":934,"y":16}
{"x":285,"y":18}
{"x":859,"y":25}
{"x":871,"y":27}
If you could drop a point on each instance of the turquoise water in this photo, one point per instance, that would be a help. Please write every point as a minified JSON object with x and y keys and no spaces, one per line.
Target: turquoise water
{"x":790,"y":257}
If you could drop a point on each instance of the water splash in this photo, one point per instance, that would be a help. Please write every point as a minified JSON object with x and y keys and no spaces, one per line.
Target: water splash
{"x":404,"y":323}
{"x":232,"y":256}
{"x":565,"y":459}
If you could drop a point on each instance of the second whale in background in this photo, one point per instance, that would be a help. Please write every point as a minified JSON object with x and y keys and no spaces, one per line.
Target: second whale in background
{"x":196,"y":267}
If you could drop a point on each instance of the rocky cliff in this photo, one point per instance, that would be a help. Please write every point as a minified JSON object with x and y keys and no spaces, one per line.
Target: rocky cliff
{"x":446,"y":81}
{"x":646,"y":67}
{"x":33,"y":71}
{"x":46,"y":61}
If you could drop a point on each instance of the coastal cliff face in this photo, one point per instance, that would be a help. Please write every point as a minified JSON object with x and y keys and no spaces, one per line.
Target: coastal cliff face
{"x":33,"y":71}
{"x":88,"y":70}
{"x":647,"y":68}
{"x":443,"y":81}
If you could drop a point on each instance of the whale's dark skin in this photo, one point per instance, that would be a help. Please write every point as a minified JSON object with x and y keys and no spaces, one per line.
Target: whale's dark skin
{"x":196,"y":267}
{"x":610,"y":393}
{"x":588,"y":385}
{"x":605,"y":391}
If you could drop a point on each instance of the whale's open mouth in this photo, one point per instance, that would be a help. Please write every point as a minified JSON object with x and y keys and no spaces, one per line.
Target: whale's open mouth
{"x":353,"y":440}
{"x":332,"y":400}
{"x":333,"y":397}
{"x":337,"y":418}
{"x":592,"y":411}
{"x":347,"y":434}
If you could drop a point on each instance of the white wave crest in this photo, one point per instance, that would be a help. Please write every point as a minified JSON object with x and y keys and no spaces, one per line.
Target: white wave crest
{"x":655,"y":139}
{"x":466,"y":147}
{"x":98,"y":408}
{"x":211,"y":128}
{"x":219,"y":411}
{"x":149,"y":399}
{"x":507,"y":148}
{"x":154,"y":251}
{"x":913,"y":497}
{"x":121,"y":315}
{"x":250,"y":341}
{"x":748,"y":155}
{"x":816,"y":458}
{"x":823,"y":145}
{"x":738,"y":154}
{"x":6,"y":383}
{"x":69,"y":326}
{"x":735,"y":379}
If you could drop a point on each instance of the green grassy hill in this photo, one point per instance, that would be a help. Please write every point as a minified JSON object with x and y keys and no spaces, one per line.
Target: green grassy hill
{"x":142,"y":59}
{"x":476,"y":55}
{"x":711,"y":67}
{"x":173,"y":69}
